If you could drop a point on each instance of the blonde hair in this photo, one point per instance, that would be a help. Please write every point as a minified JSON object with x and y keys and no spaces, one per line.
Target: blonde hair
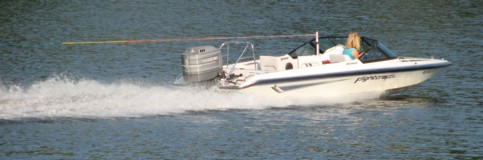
{"x":353,"y":41}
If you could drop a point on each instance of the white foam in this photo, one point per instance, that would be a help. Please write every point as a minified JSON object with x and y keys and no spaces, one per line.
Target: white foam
{"x":63,"y":97}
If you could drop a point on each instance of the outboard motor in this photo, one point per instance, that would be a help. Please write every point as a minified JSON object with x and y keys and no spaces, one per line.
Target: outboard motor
{"x":201,"y":63}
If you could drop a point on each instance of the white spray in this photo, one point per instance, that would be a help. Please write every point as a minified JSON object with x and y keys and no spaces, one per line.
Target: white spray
{"x":63,"y":97}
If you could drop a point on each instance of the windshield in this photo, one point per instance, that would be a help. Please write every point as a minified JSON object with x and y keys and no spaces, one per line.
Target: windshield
{"x":375,"y":50}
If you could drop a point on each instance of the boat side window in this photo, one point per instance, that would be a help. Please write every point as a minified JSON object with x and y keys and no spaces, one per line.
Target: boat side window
{"x":303,"y":50}
{"x":326,"y":43}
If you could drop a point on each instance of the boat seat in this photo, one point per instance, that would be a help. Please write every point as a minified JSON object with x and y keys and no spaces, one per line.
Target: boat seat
{"x":336,"y":58}
{"x":272,"y":63}
{"x":308,"y":61}
{"x":338,"y":49}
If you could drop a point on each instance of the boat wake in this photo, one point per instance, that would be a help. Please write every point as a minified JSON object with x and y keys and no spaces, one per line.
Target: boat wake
{"x":64,"y":97}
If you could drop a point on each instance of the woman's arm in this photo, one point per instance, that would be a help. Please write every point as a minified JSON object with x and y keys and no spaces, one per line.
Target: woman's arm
{"x":358,"y":55}
{"x":355,"y":53}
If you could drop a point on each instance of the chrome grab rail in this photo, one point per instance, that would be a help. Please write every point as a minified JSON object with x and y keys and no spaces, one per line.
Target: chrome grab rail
{"x":248,"y":45}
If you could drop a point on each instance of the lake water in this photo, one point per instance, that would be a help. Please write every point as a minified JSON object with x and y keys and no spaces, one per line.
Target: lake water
{"x":115,"y":101}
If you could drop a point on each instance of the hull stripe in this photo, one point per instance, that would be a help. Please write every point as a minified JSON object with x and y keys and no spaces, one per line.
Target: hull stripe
{"x":350,"y":73}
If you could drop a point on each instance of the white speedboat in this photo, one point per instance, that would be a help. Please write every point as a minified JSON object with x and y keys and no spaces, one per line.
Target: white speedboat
{"x":314,"y":69}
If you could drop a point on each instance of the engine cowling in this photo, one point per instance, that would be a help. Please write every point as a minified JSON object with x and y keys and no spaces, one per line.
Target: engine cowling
{"x":202,"y":63}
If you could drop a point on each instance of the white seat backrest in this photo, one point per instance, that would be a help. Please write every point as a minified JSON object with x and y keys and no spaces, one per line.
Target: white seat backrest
{"x":271,"y":63}
{"x":338,"y":49}
{"x":336,"y":58}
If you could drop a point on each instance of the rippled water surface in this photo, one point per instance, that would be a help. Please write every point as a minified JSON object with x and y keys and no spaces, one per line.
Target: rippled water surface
{"x":115,"y":101}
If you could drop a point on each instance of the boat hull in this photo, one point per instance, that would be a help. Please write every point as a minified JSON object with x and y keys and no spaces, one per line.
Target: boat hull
{"x":369,"y":85}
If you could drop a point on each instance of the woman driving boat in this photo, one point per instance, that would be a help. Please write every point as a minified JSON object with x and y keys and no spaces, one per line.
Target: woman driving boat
{"x":353,"y":46}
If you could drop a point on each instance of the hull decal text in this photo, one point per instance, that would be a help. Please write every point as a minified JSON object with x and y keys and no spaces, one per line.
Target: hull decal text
{"x":375,"y":77}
